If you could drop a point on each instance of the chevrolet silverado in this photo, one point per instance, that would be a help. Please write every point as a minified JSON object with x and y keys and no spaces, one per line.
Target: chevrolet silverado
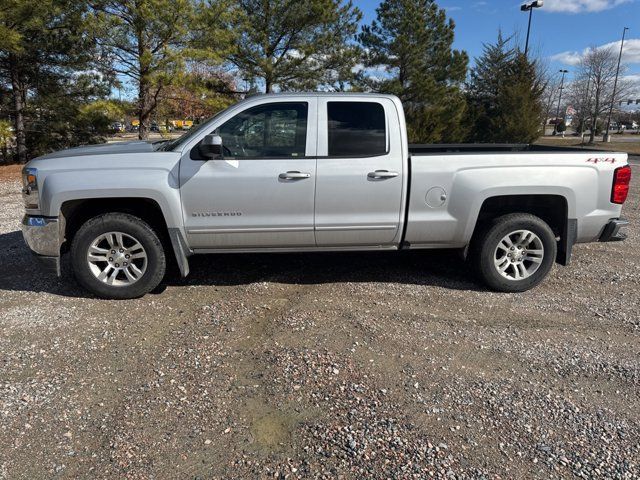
{"x":315,"y":172}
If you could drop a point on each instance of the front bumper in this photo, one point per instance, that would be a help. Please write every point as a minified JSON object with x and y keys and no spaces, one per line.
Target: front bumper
{"x":612,"y":233}
{"x":43,"y":236}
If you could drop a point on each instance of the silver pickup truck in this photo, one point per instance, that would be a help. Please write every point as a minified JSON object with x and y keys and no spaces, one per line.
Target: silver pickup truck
{"x":315,"y":172}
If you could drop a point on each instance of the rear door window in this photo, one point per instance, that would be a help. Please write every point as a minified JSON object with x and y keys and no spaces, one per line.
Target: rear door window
{"x":356,"y":129}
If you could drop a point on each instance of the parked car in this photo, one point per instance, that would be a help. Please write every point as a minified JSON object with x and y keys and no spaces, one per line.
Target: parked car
{"x":117,"y":127}
{"x":316,"y":172}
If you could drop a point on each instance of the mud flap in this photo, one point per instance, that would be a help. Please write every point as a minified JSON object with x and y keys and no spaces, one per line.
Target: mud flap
{"x":567,"y":240}
{"x":181,"y":250}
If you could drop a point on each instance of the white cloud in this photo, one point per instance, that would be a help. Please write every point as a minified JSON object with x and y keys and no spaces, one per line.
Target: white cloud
{"x":568,"y":58}
{"x":630,"y":53}
{"x":580,"y":6}
{"x":379,"y":72}
{"x":634,"y":80}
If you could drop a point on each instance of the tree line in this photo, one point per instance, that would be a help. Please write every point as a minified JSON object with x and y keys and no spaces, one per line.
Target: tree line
{"x":591,"y":93}
{"x":61,"y":61}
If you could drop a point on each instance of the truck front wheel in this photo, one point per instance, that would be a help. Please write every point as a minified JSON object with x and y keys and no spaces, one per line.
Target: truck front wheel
{"x":117,"y":256}
{"x":515,"y":253}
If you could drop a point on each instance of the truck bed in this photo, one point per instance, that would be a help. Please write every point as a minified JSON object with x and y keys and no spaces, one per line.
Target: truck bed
{"x":450,"y":183}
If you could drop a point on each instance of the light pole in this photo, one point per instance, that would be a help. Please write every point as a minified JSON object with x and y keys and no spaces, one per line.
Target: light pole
{"x":528,"y":7}
{"x":588,"y":105}
{"x":607,"y":137}
{"x":555,"y":126}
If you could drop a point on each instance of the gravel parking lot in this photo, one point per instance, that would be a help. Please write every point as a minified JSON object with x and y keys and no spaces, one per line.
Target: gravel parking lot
{"x":322,"y":366}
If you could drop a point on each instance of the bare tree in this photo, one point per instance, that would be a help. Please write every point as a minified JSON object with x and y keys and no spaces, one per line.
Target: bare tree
{"x":580,"y":98}
{"x":550,"y":95}
{"x":597,"y":71}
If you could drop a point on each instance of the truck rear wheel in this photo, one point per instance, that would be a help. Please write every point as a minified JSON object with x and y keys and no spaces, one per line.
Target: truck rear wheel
{"x":117,"y":256}
{"x":515,"y":253}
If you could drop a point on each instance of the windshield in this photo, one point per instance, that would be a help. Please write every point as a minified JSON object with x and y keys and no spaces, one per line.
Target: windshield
{"x":180,"y":141}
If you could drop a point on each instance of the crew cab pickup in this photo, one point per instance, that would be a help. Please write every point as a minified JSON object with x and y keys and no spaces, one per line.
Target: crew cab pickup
{"x":315,"y":172}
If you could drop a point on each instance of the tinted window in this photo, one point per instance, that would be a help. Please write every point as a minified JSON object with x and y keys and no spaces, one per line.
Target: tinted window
{"x":271,"y":130}
{"x":356,"y":129}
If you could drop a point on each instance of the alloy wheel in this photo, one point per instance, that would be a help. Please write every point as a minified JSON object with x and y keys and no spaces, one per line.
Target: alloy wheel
{"x":519,"y":255}
{"x":117,"y":259}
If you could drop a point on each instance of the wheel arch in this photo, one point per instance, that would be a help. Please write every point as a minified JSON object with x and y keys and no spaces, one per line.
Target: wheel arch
{"x":76,"y":212}
{"x":552,"y":208}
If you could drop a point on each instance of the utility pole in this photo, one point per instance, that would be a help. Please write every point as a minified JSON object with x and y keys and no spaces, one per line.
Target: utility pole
{"x":588,"y":108}
{"x":607,"y":137}
{"x":555,"y":126}
{"x":528,"y":7}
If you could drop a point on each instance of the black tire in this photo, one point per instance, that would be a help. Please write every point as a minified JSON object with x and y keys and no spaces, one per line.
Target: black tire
{"x":484,"y":251}
{"x":134,"y":227}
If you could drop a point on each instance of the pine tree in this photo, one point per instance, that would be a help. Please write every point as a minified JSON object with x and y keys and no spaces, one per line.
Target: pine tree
{"x":293,"y":44}
{"x":483,"y":90}
{"x":43,"y":46}
{"x":504,"y":96}
{"x":519,"y":104}
{"x":144,"y":41}
{"x":412,"y":40}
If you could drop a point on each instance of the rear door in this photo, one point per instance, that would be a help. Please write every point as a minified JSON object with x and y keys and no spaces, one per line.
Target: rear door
{"x":359,"y":172}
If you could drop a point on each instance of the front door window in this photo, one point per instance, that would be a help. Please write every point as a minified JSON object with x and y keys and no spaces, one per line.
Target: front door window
{"x":274,"y":130}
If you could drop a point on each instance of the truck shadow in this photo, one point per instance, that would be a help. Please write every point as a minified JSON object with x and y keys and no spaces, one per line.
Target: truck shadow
{"x":19,"y":271}
{"x":442,"y":268}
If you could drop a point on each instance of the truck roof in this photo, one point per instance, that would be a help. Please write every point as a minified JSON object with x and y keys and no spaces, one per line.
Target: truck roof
{"x":323,"y":94}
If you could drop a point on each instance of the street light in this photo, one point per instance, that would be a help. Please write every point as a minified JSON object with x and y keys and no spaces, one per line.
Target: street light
{"x":528,"y":7}
{"x":588,"y":105}
{"x":555,"y":126}
{"x":607,"y":138}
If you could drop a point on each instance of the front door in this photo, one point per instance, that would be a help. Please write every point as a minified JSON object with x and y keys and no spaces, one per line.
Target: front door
{"x":360,"y":178}
{"x":262,"y":193}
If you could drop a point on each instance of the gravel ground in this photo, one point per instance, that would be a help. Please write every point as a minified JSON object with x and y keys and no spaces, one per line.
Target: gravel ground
{"x":322,"y":366}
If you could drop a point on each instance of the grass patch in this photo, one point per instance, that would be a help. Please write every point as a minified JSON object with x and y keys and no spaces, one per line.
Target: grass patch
{"x":632,"y":147}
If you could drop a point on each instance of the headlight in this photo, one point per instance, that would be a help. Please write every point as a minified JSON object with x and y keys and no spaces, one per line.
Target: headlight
{"x":30,"y":193}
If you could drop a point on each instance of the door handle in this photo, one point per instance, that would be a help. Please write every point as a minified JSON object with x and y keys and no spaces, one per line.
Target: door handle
{"x":294,"y":175}
{"x":378,"y":174}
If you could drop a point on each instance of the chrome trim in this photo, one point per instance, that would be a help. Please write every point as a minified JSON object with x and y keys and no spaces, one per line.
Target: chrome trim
{"x":248,"y":230}
{"x":42,"y":235}
{"x":348,"y":228}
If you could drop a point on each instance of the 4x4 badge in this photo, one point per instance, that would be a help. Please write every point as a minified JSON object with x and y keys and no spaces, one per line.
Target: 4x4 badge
{"x":602,"y":160}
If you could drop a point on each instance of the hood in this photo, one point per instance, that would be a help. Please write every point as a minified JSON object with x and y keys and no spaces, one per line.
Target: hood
{"x":102,"y":149}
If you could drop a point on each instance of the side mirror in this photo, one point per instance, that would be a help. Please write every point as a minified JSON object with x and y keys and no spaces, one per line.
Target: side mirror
{"x":211,"y":147}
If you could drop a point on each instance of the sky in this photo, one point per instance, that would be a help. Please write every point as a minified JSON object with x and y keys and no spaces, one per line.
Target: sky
{"x":561,"y":30}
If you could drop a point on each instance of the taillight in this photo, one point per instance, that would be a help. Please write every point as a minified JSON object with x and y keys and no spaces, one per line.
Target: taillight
{"x":621,"y":180}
